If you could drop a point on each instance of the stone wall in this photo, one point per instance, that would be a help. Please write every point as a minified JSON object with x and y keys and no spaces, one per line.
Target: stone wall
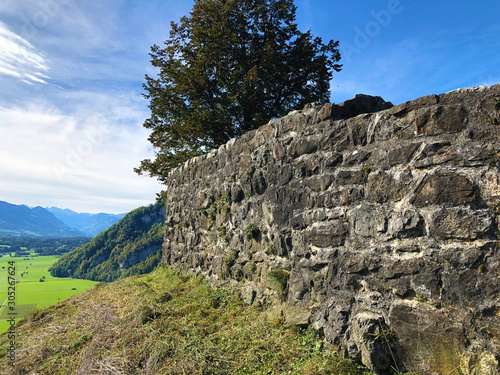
{"x":381,"y":229}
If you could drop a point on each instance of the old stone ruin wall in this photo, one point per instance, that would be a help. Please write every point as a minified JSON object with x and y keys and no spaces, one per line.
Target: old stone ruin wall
{"x":381,"y":229}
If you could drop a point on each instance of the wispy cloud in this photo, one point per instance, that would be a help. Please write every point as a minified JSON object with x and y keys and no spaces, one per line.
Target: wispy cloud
{"x":20,"y":59}
{"x":86,"y":148}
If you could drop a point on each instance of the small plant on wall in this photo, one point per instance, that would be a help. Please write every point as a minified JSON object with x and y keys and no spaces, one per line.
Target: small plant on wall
{"x":251,"y":232}
{"x":221,"y":205}
{"x":279,"y":280}
{"x":229,"y":262}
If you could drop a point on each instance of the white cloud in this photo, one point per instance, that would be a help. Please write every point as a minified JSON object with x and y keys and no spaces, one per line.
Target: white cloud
{"x":79,"y":156}
{"x":20,"y":59}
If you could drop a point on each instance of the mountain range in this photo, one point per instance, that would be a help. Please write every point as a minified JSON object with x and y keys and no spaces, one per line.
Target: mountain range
{"x":23,"y":221}
{"x":53,"y":222}
{"x":89,"y":224}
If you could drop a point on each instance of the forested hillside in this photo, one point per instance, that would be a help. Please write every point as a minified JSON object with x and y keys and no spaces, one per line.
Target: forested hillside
{"x":130,"y":247}
{"x":41,"y":246}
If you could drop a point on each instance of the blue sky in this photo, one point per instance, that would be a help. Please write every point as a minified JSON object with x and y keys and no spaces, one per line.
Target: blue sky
{"x":71,"y":75}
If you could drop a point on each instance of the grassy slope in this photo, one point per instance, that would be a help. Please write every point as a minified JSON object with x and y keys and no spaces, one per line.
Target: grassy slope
{"x":164,"y":323}
{"x":30,"y":291}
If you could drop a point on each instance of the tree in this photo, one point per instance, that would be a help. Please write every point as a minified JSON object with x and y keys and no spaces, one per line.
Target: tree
{"x":229,"y":67}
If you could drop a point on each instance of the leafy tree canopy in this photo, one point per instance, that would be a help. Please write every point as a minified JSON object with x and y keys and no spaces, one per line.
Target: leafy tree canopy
{"x":229,"y":67}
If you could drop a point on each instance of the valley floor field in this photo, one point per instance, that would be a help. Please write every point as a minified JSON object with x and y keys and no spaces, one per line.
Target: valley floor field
{"x":30,"y":292}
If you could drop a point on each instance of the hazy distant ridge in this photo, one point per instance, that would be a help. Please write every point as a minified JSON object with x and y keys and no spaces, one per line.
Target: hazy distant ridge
{"x":89,"y":224}
{"x":23,"y":221}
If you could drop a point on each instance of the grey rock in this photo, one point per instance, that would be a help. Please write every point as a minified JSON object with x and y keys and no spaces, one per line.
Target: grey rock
{"x":369,"y":221}
{"x":325,"y":234}
{"x":460,"y":223}
{"x":445,"y":188}
{"x":406,"y":223}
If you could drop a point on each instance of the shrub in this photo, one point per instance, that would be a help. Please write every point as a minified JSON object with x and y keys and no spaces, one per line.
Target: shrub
{"x":251,"y":231}
{"x":279,"y":280}
{"x":229,"y":262}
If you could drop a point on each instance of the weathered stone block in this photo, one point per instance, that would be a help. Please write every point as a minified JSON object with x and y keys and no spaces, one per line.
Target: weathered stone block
{"x":356,"y":158}
{"x":358,"y":130}
{"x":302,"y":146}
{"x":332,"y":320}
{"x":492,"y":186}
{"x":369,"y":221}
{"x":424,"y":101}
{"x":358,"y":105}
{"x":402,"y":155}
{"x":299,"y":283}
{"x":351,"y":196}
{"x":445,"y":188}
{"x":460,"y":223}
{"x":326,"y":234}
{"x":319,"y":183}
{"x":361,"y":341}
{"x":441,"y":119}
{"x":421,"y":328}
{"x":337,"y":139}
{"x":333,"y":160}
{"x":348,"y":177}
{"x":406,"y":223}
{"x":285,"y":174}
{"x":259,"y":184}
{"x":382,"y":187}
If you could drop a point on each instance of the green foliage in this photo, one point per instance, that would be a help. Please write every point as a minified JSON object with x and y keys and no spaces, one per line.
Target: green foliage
{"x":279,"y":280}
{"x":42,"y":246}
{"x":271,"y":249}
{"x":226,"y":68}
{"x":249,"y":172}
{"x":384,"y":335}
{"x":222,"y":230}
{"x":253,"y":267}
{"x":239,"y":274}
{"x":251,"y":231}
{"x":130,"y":247}
{"x":229,"y":262}
{"x":221,"y":205}
{"x":421,"y":298}
{"x":496,"y":207}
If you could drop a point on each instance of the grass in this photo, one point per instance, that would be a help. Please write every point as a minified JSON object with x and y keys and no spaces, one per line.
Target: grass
{"x":165,"y":323}
{"x":30,"y":292}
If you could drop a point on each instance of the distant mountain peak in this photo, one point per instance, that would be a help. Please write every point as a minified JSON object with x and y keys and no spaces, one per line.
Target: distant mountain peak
{"x":90,"y":224}
{"x":23,"y":221}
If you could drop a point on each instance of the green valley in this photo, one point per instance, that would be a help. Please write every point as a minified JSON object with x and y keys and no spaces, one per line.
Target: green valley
{"x":36,"y":288}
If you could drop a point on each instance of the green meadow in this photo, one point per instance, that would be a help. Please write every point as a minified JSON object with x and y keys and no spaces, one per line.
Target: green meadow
{"x":30,"y":292}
